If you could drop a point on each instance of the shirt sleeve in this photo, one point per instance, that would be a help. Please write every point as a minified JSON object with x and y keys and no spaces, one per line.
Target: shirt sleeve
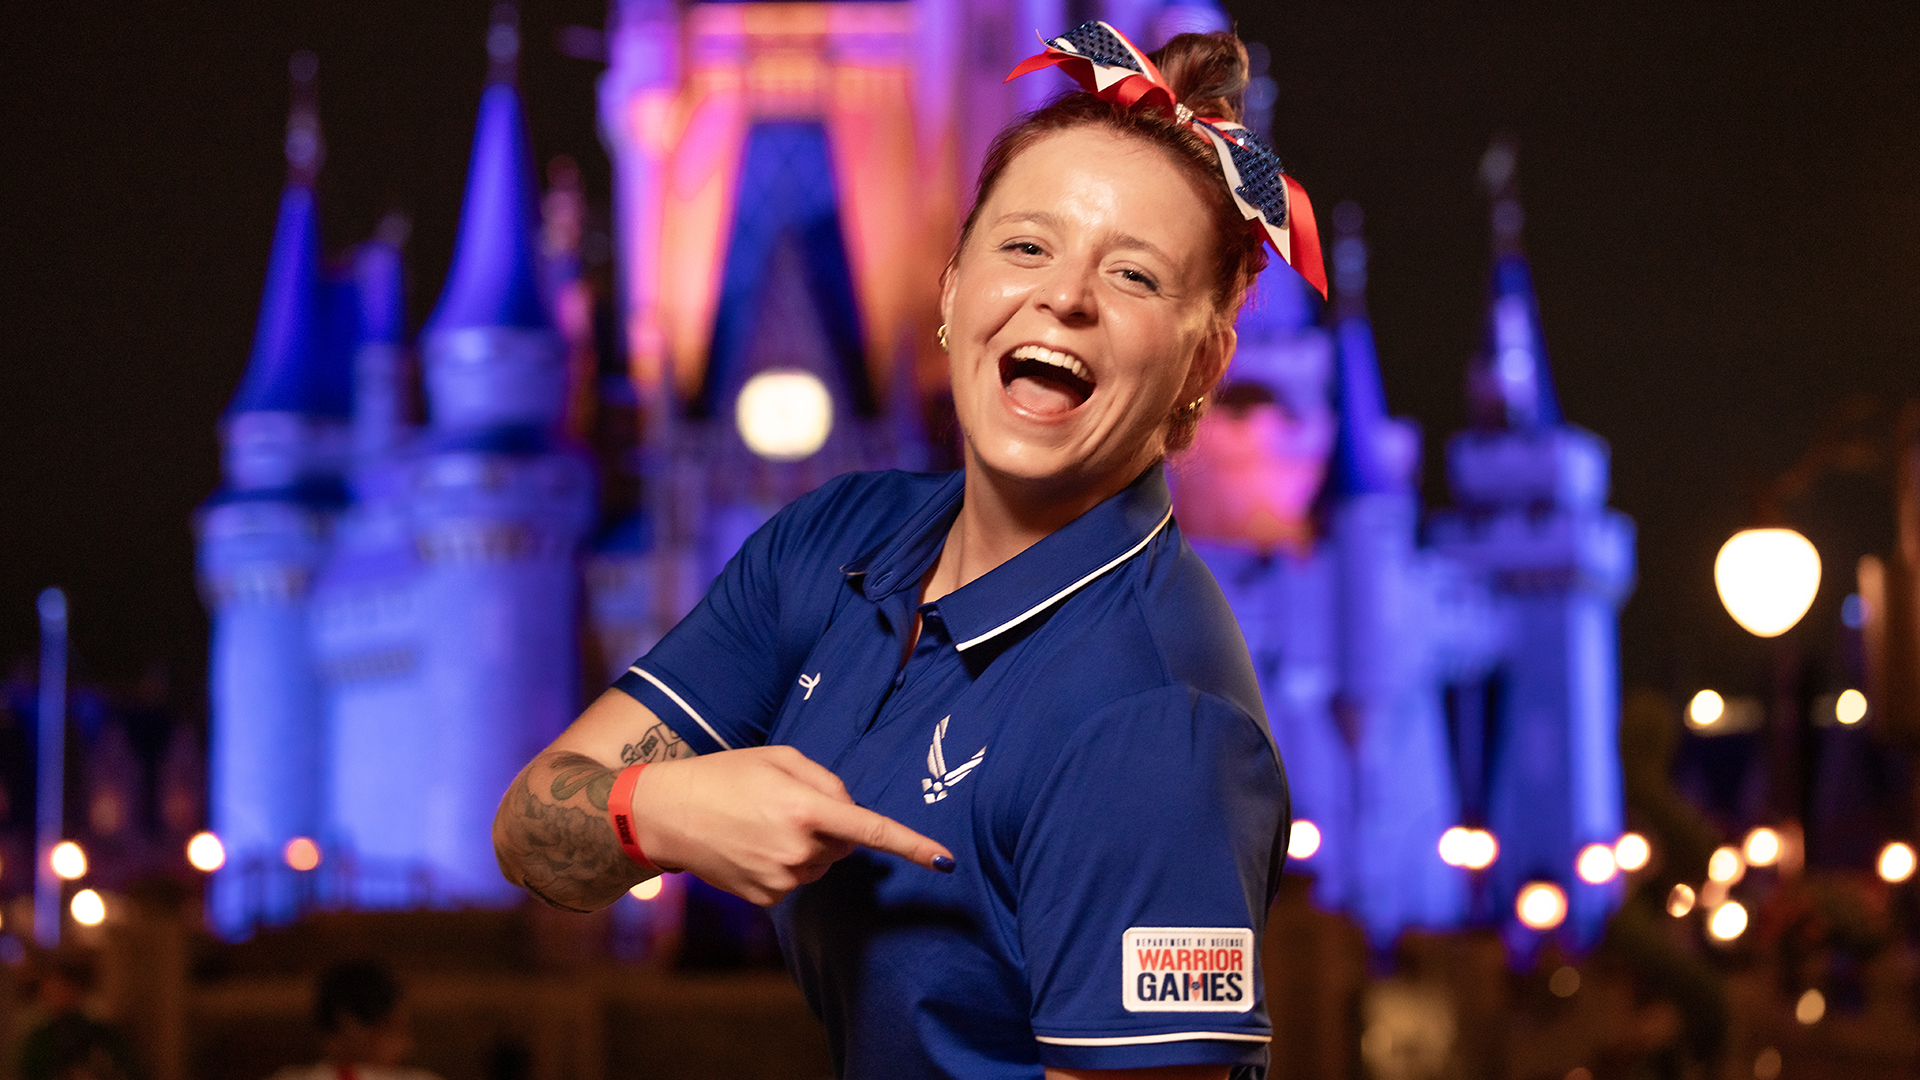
{"x":719,"y":676}
{"x":1147,"y":866}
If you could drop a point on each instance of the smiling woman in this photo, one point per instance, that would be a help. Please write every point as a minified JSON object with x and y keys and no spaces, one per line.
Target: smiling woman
{"x":1031,"y":631}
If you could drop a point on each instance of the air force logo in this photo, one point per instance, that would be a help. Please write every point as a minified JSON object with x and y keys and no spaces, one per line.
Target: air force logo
{"x":1186,"y":969}
{"x":939,"y":778}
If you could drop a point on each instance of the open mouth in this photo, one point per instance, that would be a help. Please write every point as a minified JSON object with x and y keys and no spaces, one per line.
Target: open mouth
{"x":1046,"y":381}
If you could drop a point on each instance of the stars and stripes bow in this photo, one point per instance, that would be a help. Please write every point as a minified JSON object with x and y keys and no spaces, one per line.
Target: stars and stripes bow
{"x":1101,"y":59}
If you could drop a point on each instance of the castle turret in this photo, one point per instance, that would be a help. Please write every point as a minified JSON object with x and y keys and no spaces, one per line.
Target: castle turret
{"x":366,"y":609}
{"x":261,"y":540}
{"x":1531,"y":492}
{"x":499,"y":507}
{"x":1387,"y":701}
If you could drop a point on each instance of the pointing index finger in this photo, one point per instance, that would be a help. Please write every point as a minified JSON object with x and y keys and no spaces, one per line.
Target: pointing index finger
{"x":846,"y":821}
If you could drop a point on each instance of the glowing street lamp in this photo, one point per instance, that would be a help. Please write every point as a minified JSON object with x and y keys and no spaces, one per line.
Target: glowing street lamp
{"x":1631,"y":852}
{"x":1850,"y":707}
{"x":88,"y":908}
{"x":1767,"y":579}
{"x":784,"y":415}
{"x":1541,"y":905}
{"x":206,"y":853}
{"x":1896,"y":863}
{"x":1728,"y":921}
{"x":302,"y":854}
{"x":1303,"y":841}
{"x":68,"y":860}
{"x":1595,"y":865}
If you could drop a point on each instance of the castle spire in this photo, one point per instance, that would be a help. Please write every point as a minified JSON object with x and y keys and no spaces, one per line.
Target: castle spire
{"x":1509,"y":386}
{"x":1372,"y":453}
{"x":495,"y":279}
{"x":284,"y":371}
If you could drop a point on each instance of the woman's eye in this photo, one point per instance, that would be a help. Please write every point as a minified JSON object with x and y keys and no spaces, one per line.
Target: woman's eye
{"x":1141,"y":279}
{"x":1023,"y":247}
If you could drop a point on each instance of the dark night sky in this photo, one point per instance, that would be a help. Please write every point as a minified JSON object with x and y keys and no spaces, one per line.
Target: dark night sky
{"x":1723,"y":213}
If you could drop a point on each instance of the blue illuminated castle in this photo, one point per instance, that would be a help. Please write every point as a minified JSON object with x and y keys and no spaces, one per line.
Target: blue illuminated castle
{"x":405,"y":607}
{"x":1421,"y":675}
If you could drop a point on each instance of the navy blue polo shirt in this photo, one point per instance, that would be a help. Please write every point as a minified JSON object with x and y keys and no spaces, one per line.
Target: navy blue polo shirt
{"x":1080,"y":727}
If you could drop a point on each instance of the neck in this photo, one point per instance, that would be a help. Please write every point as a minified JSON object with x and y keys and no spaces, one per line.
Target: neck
{"x":1001,"y":516}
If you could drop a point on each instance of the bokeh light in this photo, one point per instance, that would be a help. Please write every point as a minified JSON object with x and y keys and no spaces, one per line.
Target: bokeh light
{"x":1595,"y":864}
{"x":1565,"y":981}
{"x":1680,"y":900}
{"x":1728,"y":921}
{"x":1811,"y":1007}
{"x":1762,"y":847}
{"x":1541,"y":905}
{"x":1474,"y":849}
{"x":1850,"y":707}
{"x":1706,"y":708}
{"x":206,"y":853}
{"x":649,"y":888}
{"x":1631,"y":852}
{"x":784,"y":415}
{"x":1767,"y":579}
{"x":1725,"y":866}
{"x":1303,"y":840}
{"x":302,"y":854}
{"x":1896,"y":863}
{"x":68,"y":860}
{"x":88,"y":909}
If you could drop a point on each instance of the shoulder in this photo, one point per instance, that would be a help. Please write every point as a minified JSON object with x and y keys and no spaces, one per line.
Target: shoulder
{"x":1161,"y":622}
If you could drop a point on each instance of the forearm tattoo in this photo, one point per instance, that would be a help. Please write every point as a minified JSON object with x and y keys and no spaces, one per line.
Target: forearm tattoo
{"x":658,"y":744}
{"x":552,"y":836}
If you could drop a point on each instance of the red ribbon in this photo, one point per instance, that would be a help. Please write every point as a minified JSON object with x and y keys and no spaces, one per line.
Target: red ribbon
{"x":1302,"y":248}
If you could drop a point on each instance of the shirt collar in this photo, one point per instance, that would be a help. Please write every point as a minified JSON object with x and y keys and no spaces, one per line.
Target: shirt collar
{"x":1057,"y":566}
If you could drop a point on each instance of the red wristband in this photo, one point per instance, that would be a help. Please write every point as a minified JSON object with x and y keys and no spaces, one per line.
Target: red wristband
{"x":620,"y":810}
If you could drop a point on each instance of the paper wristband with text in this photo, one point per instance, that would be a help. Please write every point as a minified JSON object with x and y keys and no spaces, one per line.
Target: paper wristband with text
{"x":620,"y":811}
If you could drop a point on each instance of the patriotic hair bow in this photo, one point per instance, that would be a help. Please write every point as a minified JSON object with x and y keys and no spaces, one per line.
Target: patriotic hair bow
{"x":1101,"y":59}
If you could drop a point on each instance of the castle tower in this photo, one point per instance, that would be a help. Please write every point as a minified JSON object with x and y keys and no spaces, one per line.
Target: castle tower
{"x":1531,"y":493}
{"x":261,"y":538}
{"x":499,"y":506}
{"x":366,"y":613}
{"x":1387,"y":702}
{"x":1244,"y":496}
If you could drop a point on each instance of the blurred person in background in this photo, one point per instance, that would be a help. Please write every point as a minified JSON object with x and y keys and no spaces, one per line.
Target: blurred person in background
{"x":63,"y":1041}
{"x":365,"y":1028}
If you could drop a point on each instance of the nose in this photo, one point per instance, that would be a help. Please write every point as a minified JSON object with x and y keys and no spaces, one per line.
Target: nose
{"x":1068,"y":294}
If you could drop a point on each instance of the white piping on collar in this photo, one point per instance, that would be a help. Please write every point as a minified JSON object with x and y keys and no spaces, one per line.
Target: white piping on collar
{"x":682,"y":702}
{"x":1068,"y":591}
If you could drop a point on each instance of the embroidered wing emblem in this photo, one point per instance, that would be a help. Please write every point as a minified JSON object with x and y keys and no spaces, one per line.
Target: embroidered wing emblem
{"x":939,"y":778}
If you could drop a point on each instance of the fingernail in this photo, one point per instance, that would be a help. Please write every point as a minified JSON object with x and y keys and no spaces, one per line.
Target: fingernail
{"x":944,"y":863}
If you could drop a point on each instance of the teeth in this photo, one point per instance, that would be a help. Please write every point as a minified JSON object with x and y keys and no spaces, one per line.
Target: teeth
{"x":1067,"y":361}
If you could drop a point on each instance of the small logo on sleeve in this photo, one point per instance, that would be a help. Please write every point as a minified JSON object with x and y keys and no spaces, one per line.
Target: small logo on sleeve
{"x":1186,"y":969}
{"x":808,"y":682}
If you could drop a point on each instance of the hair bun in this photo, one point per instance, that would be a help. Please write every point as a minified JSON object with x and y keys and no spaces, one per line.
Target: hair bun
{"x":1208,"y":73}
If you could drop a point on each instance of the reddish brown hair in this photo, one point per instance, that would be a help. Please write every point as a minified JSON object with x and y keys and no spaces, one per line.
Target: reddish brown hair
{"x":1208,"y":73}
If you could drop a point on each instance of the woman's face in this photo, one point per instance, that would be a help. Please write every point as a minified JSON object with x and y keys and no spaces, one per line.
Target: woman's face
{"x":1080,"y":313}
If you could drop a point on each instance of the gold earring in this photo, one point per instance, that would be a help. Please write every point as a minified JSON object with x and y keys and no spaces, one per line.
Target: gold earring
{"x":1190,"y":412}
{"x":940,"y":337}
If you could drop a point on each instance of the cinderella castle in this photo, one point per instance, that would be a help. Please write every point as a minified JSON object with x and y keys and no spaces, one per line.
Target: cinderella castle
{"x":432,"y":546}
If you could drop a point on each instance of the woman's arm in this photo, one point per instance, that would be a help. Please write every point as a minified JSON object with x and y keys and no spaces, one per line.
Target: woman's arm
{"x":758,"y":822}
{"x":551,"y":833}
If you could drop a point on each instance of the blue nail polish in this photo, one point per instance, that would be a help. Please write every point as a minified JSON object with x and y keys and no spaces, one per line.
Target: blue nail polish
{"x":944,"y":863}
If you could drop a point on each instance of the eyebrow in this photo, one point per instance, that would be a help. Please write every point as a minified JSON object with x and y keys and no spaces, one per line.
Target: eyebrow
{"x":1125,"y":241}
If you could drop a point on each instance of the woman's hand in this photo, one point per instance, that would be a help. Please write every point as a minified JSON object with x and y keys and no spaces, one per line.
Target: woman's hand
{"x":761,"y":822}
